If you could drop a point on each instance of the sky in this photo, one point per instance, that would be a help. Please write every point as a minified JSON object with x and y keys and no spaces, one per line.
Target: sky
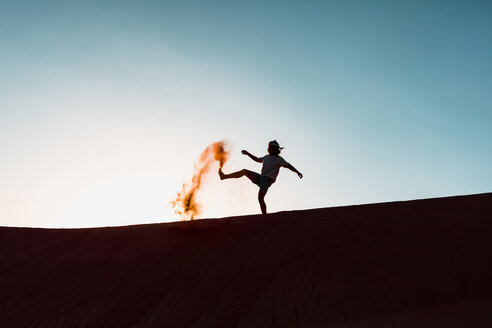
{"x":106,"y":105}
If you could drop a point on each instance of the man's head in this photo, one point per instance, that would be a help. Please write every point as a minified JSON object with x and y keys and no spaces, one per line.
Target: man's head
{"x":274,"y":148}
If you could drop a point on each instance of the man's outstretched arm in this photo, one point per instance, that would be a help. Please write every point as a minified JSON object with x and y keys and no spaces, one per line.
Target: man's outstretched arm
{"x":253,"y":157}
{"x":293,"y":169}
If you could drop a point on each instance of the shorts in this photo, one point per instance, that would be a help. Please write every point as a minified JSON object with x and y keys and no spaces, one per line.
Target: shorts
{"x":261,"y":181}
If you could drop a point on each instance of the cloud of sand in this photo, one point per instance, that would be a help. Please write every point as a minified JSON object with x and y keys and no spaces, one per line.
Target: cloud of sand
{"x":186,"y":204}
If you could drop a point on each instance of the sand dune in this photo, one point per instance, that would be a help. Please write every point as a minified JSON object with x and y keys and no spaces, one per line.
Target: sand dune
{"x":424,"y":263}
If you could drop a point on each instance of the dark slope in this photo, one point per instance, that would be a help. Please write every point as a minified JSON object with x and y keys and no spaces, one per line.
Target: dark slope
{"x":356,"y":266}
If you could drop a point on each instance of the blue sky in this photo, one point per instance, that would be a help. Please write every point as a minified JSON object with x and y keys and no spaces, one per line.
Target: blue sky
{"x":105,"y":105}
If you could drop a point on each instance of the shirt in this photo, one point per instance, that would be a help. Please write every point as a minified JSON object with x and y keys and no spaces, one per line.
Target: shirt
{"x":271,"y":165}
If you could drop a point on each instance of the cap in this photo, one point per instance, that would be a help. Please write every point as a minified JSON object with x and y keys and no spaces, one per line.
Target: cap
{"x":274,"y":143}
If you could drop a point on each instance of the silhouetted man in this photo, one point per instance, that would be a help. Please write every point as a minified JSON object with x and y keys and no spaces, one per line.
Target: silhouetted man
{"x":271,"y":166}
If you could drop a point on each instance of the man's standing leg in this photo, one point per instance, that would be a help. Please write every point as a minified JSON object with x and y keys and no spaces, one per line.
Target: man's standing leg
{"x":261,"y":199}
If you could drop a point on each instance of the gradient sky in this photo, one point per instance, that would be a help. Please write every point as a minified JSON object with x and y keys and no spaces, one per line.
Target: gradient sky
{"x":105,"y":105}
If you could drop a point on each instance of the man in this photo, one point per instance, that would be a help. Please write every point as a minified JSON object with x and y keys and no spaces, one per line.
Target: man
{"x":269,"y":171}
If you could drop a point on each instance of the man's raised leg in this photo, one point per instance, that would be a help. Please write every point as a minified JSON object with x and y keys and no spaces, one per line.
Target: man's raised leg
{"x":234,"y":175}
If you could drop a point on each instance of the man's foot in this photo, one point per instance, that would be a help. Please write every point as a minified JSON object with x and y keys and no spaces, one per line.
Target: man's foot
{"x":221,"y":174}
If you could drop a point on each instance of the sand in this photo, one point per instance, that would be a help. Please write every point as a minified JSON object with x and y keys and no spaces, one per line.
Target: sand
{"x":423,"y":263}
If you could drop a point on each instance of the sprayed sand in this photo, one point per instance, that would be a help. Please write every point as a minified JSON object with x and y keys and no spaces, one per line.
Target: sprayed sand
{"x":186,"y":204}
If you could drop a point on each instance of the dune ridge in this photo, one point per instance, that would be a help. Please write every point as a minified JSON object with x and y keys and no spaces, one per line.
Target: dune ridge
{"x":401,"y":264}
